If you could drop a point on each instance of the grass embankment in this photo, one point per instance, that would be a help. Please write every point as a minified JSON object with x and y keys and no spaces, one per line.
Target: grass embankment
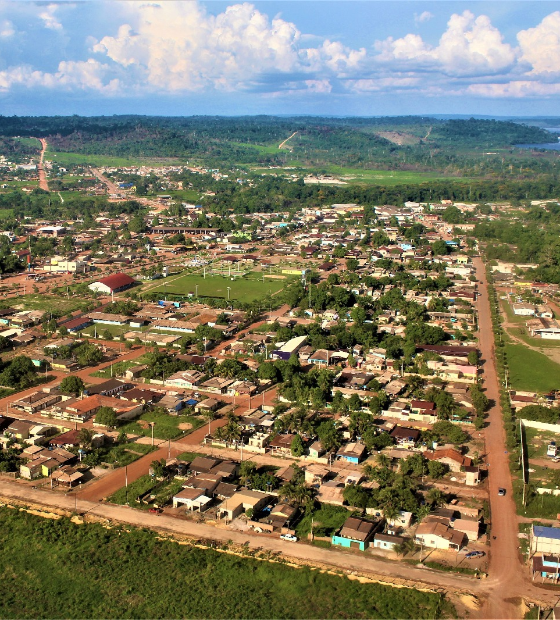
{"x":530,"y":370}
{"x":57,"y":569}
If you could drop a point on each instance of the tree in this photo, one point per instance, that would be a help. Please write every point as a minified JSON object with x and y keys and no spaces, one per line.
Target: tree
{"x":437,"y":470}
{"x":247,"y":470}
{"x":85,"y":437}
{"x":329,"y":436}
{"x":479,"y":399}
{"x":72,"y":385}
{"x":158,"y":467}
{"x":356,"y":495}
{"x":352,"y":264}
{"x":297,"y":448}
{"x":106,"y":416}
{"x":472,"y":358}
{"x":435,"y":497}
{"x":88,"y":354}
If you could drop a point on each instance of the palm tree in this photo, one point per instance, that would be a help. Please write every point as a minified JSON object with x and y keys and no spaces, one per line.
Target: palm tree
{"x":383,"y":460}
{"x":435,"y":497}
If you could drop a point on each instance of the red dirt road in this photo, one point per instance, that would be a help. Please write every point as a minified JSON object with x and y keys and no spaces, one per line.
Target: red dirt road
{"x":507,"y":577}
{"x":43,"y":184}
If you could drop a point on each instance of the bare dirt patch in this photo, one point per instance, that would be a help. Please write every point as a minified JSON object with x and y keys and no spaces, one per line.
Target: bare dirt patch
{"x":185,"y":426}
{"x":396,"y":137}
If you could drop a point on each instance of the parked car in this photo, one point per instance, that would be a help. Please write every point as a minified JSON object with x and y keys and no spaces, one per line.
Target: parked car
{"x":474,"y":554}
{"x":501,"y":491}
{"x":289,"y":537}
{"x":155,"y":511}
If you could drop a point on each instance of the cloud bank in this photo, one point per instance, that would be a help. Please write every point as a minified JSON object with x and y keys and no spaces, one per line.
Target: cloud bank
{"x":176,"y":48}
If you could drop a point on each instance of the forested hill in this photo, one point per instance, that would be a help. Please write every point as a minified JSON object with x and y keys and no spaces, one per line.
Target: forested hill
{"x":420,"y":143}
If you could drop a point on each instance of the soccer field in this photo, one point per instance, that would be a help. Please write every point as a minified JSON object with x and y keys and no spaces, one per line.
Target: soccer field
{"x":241,"y":289}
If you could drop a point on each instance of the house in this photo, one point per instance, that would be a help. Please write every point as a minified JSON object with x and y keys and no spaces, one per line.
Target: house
{"x":203,"y":464}
{"x":387,"y":541}
{"x":438,"y":535}
{"x":469,"y":527}
{"x":210,"y":404}
{"x":315,"y":475}
{"x":355,"y":534}
{"x":67,"y":474}
{"x":243,"y":500}
{"x":543,"y":539}
{"x":216,"y":385}
{"x":193,"y":499}
{"x":450,"y":457}
{"x":20,"y":429}
{"x":282,"y":444}
{"x":188,"y":379}
{"x":472,"y":476}
{"x":316,"y":450}
{"x":548,"y":566}
{"x":69,"y":439}
{"x":352,"y":452}
{"x":111,"y":387}
{"x":405,"y":437}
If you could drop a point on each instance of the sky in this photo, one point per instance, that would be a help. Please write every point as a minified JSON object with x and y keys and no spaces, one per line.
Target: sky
{"x":327,"y":57}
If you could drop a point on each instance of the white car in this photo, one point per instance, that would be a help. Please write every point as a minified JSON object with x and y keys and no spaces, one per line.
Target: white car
{"x":289,"y":537}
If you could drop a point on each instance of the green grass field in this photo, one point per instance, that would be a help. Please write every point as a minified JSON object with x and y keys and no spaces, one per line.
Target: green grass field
{"x":34,"y":301}
{"x":245,"y":289}
{"x":64,"y":159}
{"x":359,"y":176}
{"x":165,"y":425}
{"x":32,"y":142}
{"x":530,"y":370}
{"x":59,"y":569}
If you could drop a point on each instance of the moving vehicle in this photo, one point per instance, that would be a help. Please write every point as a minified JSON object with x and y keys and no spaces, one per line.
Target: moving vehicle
{"x":289,"y":537}
{"x":501,"y":492}
{"x":155,"y":511}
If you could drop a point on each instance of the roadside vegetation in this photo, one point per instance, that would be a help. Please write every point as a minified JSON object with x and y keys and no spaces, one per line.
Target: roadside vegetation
{"x":57,"y":569}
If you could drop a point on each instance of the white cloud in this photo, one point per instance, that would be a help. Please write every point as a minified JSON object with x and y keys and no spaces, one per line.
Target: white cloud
{"x":515,"y":89}
{"x":178,"y":46}
{"x":540,"y":46}
{"x":425,"y":16}
{"x":49,"y":18}
{"x":470,"y":46}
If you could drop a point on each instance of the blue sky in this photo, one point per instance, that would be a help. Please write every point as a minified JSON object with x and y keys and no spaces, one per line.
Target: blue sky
{"x":335,"y":57}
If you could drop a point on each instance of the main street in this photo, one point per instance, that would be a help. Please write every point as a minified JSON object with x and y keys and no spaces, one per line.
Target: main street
{"x":506,"y":574}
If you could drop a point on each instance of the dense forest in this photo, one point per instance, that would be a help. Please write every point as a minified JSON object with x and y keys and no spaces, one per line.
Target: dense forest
{"x":454,"y":147}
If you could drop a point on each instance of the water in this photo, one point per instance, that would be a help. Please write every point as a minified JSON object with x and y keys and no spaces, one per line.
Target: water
{"x":553,"y":146}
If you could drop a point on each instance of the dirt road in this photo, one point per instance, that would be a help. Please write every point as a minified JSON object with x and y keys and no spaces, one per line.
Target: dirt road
{"x":43,"y":184}
{"x":506,"y":572}
{"x":390,"y":571}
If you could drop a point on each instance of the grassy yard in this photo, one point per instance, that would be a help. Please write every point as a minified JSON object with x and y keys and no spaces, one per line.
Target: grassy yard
{"x":246,"y":289}
{"x":530,"y":370}
{"x":326,"y":521}
{"x":125,"y":454}
{"x":166,"y":426}
{"x":161,"y":490}
{"x":59,"y":569}
{"x":537,"y":442}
